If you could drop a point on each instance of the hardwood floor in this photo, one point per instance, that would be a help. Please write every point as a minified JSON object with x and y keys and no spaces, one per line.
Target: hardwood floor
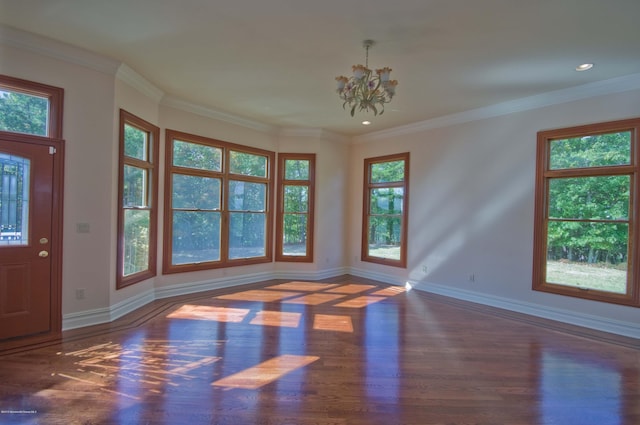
{"x":344,"y":351}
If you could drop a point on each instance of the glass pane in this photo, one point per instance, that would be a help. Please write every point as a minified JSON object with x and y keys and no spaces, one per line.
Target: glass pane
{"x":588,"y":255}
{"x":296,"y":169}
{"x":195,"y":155}
{"x":248,"y":164}
{"x":595,"y":198}
{"x":134,"y":193}
{"x":136,"y":241}
{"x":384,"y":237}
{"x":294,"y":238}
{"x":23,"y":113}
{"x":387,"y":200}
{"x":196,"y":237}
{"x":591,"y":151}
{"x":15,"y":173}
{"x":296,"y":199}
{"x":194,"y":192}
{"x":245,"y":196}
{"x":384,"y":172}
{"x":247,"y":235}
{"x":135,"y":142}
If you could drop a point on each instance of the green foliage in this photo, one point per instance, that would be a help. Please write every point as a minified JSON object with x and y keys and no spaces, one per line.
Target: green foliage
{"x":135,"y":143}
{"x":197,"y":205}
{"x":591,"y":151}
{"x":23,"y":113}
{"x":136,"y":241}
{"x":194,"y":155}
{"x":13,"y":171}
{"x":386,"y":172}
{"x":588,"y":215}
{"x":248,"y":164}
{"x":296,"y":169}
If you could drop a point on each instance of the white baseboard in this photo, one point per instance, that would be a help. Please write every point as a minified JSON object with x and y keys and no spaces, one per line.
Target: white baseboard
{"x":599,"y":323}
{"x":109,"y":314}
{"x":380,"y":277}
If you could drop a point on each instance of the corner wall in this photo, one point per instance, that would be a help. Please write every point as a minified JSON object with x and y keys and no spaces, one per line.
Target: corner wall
{"x":471,"y":210}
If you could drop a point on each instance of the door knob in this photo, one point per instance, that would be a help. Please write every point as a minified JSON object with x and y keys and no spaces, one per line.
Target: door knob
{"x":43,"y":254}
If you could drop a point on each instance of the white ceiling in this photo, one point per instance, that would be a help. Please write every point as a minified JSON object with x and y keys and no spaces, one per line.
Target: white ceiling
{"x":274,"y":61}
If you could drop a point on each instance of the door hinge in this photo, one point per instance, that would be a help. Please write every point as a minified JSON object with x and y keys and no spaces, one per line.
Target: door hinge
{"x":52,"y":150}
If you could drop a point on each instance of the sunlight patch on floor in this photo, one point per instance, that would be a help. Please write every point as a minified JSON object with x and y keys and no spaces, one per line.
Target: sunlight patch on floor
{"x":314,"y":299}
{"x":265,"y":372}
{"x":303,"y":286}
{"x":360,"y":302}
{"x":353,"y":288}
{"x":390,"y":292}
{"x":205,"y":312}
{"x":331,"y":322}
{"x":259,"y":295}
{"x":277,"y":318}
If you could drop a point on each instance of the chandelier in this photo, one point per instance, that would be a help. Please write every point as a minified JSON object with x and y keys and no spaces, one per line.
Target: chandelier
{"x":366,"y":91}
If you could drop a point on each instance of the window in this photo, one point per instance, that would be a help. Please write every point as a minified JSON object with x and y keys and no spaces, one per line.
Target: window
{"x":586,"y":234}
{"x":294,"y":226}
{"x":137,"y":200}
{"x":30,"y":108}
{"x":385,"y":210}
{"x":218,"y":202}
{"x":27,"y":109}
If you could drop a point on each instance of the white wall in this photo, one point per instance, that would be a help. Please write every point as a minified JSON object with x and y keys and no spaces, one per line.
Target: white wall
{"x":472,"y":206}
{"x":330,"y":198}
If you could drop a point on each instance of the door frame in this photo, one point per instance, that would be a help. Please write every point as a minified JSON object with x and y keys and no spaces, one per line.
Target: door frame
{"x":55,"y":302}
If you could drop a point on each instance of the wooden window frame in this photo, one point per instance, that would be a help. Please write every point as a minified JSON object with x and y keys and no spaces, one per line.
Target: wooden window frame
{"x":367,"y":186}
{"x":153,"y":137}
{"x":544,"y":174}
{"x":225,"y":175}
{"x":54,"y":95}
{"x":280,"y":214}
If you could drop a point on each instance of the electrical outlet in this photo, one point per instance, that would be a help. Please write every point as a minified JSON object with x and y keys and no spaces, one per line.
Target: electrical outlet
{"x":80,"y":294}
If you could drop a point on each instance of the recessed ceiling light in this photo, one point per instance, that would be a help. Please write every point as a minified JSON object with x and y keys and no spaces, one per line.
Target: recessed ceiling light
{"x":366,"y":122}
{"x":584,"y":67}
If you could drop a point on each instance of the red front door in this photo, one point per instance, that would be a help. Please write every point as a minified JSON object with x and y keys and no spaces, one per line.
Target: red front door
{"x":29,"y":241}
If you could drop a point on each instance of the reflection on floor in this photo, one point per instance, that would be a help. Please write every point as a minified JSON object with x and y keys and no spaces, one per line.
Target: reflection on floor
{"x":344,"y":352}
{"x":159,"y":362}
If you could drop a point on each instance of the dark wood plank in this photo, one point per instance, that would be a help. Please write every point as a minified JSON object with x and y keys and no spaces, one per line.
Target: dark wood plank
{"x":409,"y":358}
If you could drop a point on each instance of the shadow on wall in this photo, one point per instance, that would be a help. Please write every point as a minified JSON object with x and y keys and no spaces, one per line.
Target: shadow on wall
{"x":473,"y":218}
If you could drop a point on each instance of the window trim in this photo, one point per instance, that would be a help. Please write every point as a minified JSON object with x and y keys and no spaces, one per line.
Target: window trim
{"x":151,"y":165}
{"x":225,"y":175}
{"x":366,"y":202}
{"x":282,"y":182}
{"x":543,"y":176}
{"x":55,"y":96}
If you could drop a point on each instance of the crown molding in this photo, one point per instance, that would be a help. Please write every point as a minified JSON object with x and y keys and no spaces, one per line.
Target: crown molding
{"x":57,"y":50}
{"x":314,"y":133}
{"x":204,"y":111}
{"x":129,"y":76}
{"x":585,"y":91}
